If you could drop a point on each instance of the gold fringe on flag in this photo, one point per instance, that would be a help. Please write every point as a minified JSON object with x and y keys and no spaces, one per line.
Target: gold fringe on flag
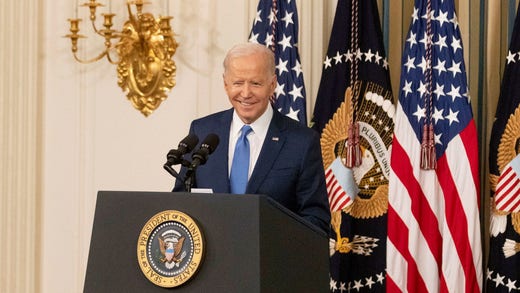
{"x":428,"y":156}
{"x":353,"y":157}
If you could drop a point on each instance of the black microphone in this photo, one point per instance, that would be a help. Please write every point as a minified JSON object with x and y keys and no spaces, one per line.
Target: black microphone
{"x":174,"y":156}
{"x":208,"y":146}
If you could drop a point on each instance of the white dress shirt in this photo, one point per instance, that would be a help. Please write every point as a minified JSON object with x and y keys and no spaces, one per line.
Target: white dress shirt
{"x":256,"y":137}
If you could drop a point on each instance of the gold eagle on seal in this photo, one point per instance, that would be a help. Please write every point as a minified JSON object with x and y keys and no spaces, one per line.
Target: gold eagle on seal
{"x":508,"y":149}
{"x":171,"y":250}
{"x":375,"y":112}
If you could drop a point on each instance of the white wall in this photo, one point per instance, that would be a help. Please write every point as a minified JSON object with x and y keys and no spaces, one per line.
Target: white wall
{"x":68,"y":131}
{"x":93,"y":139}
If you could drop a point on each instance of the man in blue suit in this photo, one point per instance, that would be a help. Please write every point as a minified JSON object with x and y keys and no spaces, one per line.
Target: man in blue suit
{"x":285,"y":156}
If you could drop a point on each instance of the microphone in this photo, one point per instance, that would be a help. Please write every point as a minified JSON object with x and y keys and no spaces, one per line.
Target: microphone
{"x":174,"y":156}
{"x":207,"y":147}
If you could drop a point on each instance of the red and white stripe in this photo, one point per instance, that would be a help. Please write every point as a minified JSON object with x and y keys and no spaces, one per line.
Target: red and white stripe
{"x":507,"y":194}
{"x":434,"y":240}
{"x":338,"y":197}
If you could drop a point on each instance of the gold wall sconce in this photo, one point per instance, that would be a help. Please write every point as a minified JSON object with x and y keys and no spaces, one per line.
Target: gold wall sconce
{"x":145,"y":48}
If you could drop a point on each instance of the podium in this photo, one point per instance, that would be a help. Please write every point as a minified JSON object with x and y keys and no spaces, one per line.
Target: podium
{"x":251,"y":244}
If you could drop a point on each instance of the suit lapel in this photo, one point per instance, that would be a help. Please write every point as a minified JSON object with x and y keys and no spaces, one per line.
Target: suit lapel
{"x":220,"y":176}
{"x":273,"y":143}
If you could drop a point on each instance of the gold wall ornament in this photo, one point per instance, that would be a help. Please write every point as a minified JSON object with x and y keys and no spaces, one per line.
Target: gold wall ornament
{"x":145,"y":66}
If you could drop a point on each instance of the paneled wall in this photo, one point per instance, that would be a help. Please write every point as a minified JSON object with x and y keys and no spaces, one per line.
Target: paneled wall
{"x":67,"y":130}
{"x":20,"y":142}
{"x":95,"y":140}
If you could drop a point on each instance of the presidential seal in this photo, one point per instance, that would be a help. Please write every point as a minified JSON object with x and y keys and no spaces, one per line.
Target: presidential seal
{"x":360,"y":192}
{"x":170,"y":249}
{"x":508,"y":151}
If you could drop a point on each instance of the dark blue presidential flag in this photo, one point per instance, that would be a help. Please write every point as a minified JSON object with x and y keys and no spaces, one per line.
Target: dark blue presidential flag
{"x":276,"y":26}
{"x":503,"y":271}
{"x":354,"y":112}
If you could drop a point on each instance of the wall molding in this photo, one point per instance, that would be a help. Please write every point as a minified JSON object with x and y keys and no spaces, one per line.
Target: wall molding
{"x":20,"y":143}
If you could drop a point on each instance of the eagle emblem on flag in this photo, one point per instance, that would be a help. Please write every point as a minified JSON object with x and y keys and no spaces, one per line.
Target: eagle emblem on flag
{"x":507,"y":185}
{"x":361,"y":191}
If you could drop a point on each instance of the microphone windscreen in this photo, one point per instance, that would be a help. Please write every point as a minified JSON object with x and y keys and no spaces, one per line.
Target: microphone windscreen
{"x":189,"y":142}
{"x":210,"y":142}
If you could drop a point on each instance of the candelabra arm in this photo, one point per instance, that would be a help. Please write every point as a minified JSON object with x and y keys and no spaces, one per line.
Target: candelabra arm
{"x":91,"y":60}
{"x":109,"y":57}
{"x":94,"y":27}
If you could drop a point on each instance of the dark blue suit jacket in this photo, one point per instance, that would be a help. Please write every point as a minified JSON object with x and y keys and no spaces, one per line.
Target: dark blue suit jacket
{"x":289,"y":168}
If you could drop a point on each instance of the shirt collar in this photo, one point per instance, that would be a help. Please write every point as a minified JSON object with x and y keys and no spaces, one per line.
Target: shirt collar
{"x":259,"y":126}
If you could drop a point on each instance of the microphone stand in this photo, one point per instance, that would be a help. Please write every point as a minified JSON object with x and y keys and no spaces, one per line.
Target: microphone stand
{"x":172,"y":172}
{"x":190,"y":174}
{"x":190,"y":178}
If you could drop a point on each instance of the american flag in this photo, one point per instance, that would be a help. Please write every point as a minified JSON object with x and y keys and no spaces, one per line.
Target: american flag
{"x":358,"y":196}
{"x":434,"y":242}
{"x":503,"y":270}
{"x":276,"y":26}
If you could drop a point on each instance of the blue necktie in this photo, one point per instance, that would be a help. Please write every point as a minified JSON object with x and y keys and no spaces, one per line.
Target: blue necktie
{"x":240,"y":165}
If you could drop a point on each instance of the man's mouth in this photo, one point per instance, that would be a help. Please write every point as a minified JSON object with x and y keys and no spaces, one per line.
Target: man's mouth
{"x":243,"y":103}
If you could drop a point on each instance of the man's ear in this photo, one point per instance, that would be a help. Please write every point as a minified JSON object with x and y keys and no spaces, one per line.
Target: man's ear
{"x":273,"y":82}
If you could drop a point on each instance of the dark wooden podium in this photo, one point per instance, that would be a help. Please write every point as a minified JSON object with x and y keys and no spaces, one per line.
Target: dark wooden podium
{"x":252,"y":244}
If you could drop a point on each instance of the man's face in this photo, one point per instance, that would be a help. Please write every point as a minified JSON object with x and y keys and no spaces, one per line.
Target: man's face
{"x":249,"y":86}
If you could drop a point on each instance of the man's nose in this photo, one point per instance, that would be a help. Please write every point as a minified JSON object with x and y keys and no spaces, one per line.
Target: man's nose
{"x":246,"y":90}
